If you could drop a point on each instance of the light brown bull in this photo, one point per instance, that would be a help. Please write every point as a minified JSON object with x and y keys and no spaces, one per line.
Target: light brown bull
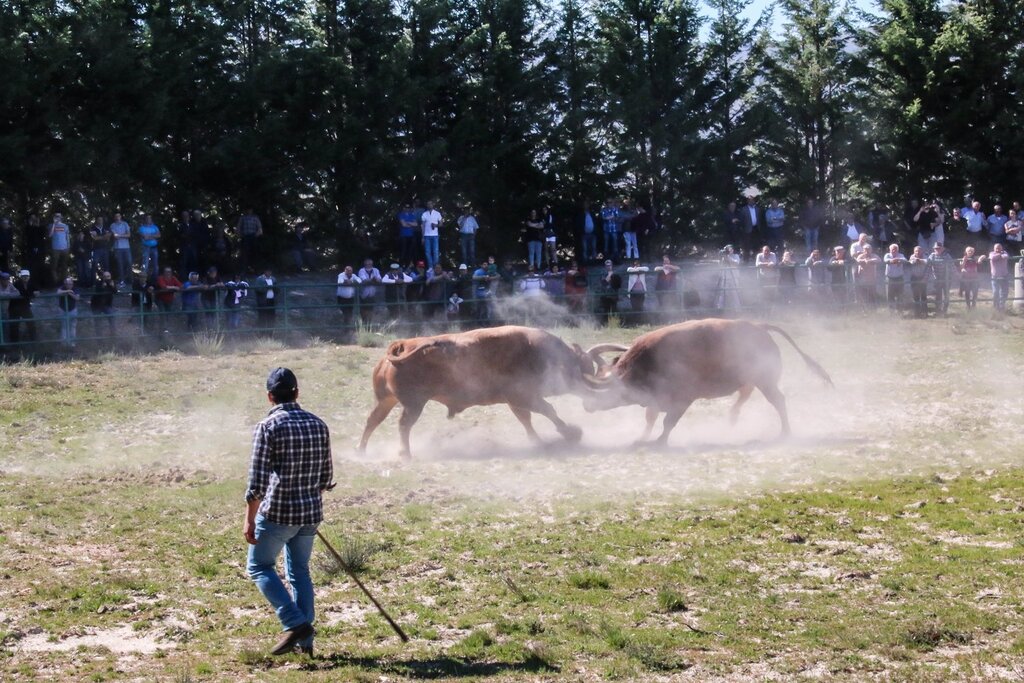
{"x":668,"y":369}
{"x":519,"y":366}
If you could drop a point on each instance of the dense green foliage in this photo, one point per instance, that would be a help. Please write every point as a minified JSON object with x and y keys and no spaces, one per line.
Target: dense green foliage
{"x":337,"y":111}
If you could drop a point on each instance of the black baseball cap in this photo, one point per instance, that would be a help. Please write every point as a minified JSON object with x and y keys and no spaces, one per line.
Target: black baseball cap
{"x":282,"y":383}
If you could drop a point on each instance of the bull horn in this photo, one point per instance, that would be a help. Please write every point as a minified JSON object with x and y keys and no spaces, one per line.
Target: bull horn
{"x":597,"y":383}
{"x":596,"y":351}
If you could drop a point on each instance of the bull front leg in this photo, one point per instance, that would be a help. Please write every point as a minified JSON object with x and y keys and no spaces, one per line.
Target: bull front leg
{"x":672,"y":418}
{"x":570,"y":433}
{"x":525,"y":418}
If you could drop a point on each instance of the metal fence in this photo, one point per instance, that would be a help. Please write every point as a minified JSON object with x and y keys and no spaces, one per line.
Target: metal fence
{"x":314,"y":309}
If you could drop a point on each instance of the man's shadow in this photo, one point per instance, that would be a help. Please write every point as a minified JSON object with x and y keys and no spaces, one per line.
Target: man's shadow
{"x":431,"y":667}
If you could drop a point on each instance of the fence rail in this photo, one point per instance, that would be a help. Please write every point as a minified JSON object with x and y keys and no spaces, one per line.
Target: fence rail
{"x":315,"y":309}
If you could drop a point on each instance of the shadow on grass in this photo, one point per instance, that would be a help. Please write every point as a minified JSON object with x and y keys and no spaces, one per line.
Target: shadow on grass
{"x":430,"y":668}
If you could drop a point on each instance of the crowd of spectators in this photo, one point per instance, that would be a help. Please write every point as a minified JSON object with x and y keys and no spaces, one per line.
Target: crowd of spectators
{"x":217,"y":271}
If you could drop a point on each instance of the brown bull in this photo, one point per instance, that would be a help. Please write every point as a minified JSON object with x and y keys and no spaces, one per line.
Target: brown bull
{"x":519,"y":366}
{"x":668,"y":369}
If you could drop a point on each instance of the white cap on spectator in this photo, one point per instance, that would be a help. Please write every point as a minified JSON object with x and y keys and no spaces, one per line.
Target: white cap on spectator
{"x":395,"y":266}
{"x":24,"y":273}
{"x":463,"y":266}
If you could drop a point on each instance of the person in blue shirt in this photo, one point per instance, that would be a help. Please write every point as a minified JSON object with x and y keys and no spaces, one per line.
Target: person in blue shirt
{"x":408,"y":227}
{"x":610,"y":228}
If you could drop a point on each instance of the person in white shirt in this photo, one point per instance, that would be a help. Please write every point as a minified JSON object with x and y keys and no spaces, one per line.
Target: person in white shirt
{"x":346,"y":293}
{"x":394,"y":282}
{"x":766,"y":263}
{"x":533,"y":284}
{"x":369,"y":275}
{"x":122,"y":248}
{"x":975,"y":218}
{"x":430,"y":222}
{"x":636,"y":286}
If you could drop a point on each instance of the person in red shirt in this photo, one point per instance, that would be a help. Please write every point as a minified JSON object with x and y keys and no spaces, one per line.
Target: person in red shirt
{"x":166,"y":285}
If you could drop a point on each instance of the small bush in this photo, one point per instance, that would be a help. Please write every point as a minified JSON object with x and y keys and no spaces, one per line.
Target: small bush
{"x":354,"y":552}
{"x":929,"y":634}
{"x":374,"y":336}
{"x":670,"y":600}
{"x":589,"y":580}
{"x":208,"y":342}
{"x":267,"y":344}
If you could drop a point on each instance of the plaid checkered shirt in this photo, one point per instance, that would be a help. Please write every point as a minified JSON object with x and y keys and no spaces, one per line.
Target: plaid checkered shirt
{"x":290,"y":466}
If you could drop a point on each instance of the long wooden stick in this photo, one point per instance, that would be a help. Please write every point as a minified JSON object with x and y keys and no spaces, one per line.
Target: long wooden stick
{"x":351,"y":574}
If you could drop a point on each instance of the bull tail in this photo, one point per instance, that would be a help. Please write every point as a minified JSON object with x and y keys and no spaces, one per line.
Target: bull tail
{"x":811,"y":363}
{"x":398,"y":352}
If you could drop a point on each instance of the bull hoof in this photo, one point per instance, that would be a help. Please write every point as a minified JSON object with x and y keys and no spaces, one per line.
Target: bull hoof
{"x":572,"y":433}
{"x":405,"y":455}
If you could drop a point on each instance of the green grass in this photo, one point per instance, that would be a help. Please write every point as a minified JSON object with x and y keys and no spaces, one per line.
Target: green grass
{"x":521,"y":566}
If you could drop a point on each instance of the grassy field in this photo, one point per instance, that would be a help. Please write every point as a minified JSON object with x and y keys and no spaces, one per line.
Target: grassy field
{"x":881,"y":542}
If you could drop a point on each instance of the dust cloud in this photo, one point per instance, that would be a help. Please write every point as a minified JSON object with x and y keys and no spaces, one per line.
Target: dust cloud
{"x":909,"y":399}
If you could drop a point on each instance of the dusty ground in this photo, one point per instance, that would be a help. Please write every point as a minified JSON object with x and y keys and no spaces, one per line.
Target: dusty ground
{"x":111,"y":467}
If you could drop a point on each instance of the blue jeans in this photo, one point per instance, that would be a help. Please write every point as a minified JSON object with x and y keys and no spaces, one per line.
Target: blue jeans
{"x":811,"y":238}
{"x":292,"y":609}
{"x":534,"y":250}
{"x":632,"y":247}
{"x":431,"y":246}
{"x":589,"y":246}
{"x":1000,"y":290}
{"x":150,"y":259}
{"x":468,"y":243}
{"x":611,"y":244}
{"x":123,"y":257}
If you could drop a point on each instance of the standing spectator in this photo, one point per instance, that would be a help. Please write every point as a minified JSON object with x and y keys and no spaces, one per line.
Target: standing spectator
{"x":636,"y":286}
{"x":6,"y":244}
{"x":289,"y":470}
{"x":81,"y":249}
{"x":467,"y":234}
{"x":628,"y":218}
{"x":975,"y":219}
{"x":925,"y":220}
{"x":817,"y":281}
{"x":880,"y":224}
{"x":143,"y":296}
{"x":67,"y":302}
{"x":957,"y":223}
{"x":1013,"y":230}
{"x":867,"y":276}
{"x":213,"y":285}
{"x":895,"y":267}
{"x":199,"y":242}
{"x":767,"y":263}
{"x":532,"y":284}
{"x":644,"y":226}
{"x":219,"y":254}
{"x":775,"y":220}
{"x":666,"y":287}
{"x":969,"y":278}
{"x":102,"y":304}
{"x":727,"y":292}
{"x":7,"y":292}
{"x":348,"y":283}
{"x":609,"y":286}
{"x":249,"y":230}
{"x":166,"y":285}
{"x":857,"y":247}
{"x":237,"y":289}
{"x":36,"y":237}
{"x":533,"y":229}
{"x":482,"y":278}
{"x":787,"y":277}
{"x":60,"y":248}
{"x":190,"y":293}
{"x":302,"y":252}
{"x":438,"y":281}
{"x":408,"y":227}
{"x":998,"y":261}
{"x":839,"y":273}
{"x":121,"y":234}
{"x":852,"y":229}
{"x":752,"y":221}
{"x":416,"y":292}
{"x":370,"y":276}
{"x":586,"y":227}
{"x":940,"y":271}
{"x":732,"y":224}
{"x":102,"y":240}
{"x":430,"y":223}
{"x":395,"y":282}
{"x":811,"y":219}
{"x":266,"y":299}
{"x":550,"y":237}
{"x":149,"y":234}
{"x":996,"y":225}
{"x":19,"y":310}
{"x":919,"y":282}
{"x":576,"y":286}
{"x":610,"y":220}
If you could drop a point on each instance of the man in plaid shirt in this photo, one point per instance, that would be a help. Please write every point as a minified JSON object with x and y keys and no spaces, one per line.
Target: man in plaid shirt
{"x":290,"y":468}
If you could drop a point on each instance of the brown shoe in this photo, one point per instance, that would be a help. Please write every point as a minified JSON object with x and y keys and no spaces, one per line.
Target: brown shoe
{"x":291,"y":637}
